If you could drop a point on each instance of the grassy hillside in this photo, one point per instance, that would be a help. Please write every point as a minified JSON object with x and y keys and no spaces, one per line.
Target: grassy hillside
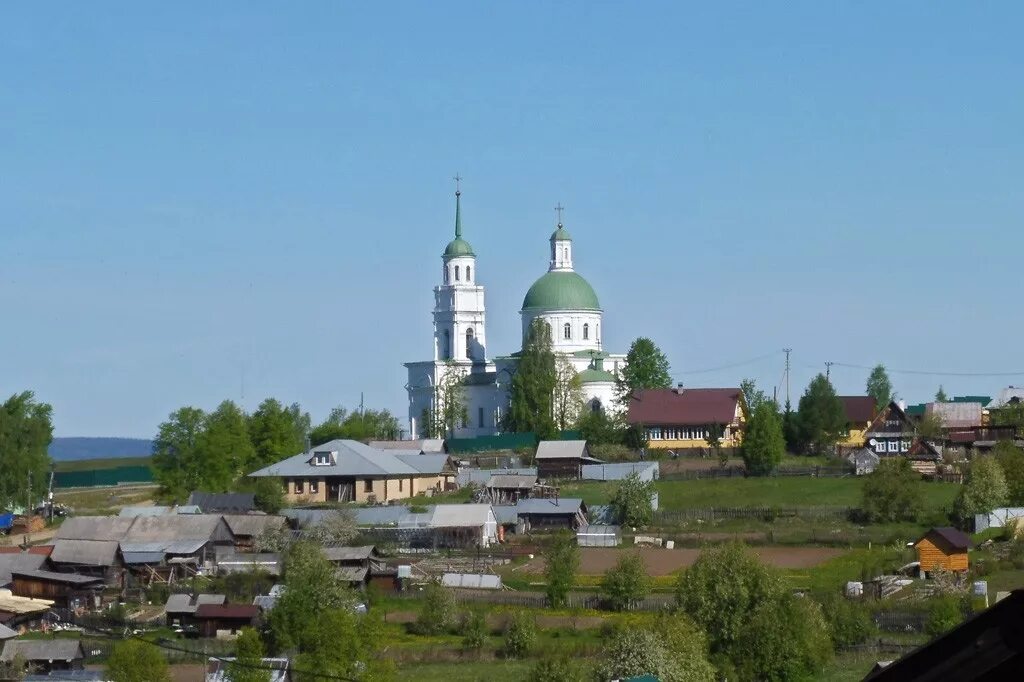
{"x":105,"y":463}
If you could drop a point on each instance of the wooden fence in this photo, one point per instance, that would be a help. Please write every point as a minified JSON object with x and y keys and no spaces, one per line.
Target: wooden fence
{"x":574,"y":600}
{"x":819,"y":514}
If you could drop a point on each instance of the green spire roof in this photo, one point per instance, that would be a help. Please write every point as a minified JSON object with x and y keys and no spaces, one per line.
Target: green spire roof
{"x":458,"y":246}
{"x":561,"y":290}
{"x":561,"y":234}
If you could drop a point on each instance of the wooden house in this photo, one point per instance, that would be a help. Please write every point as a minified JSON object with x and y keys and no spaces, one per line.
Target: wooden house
{"x":66,"y":590}
{"x":45,"y":656}
{"x":225,"y":620}
{"x":859,"y":411}
{"x":563,"y":459}
{"x":893,"y":433}
{"x":684,"y":418}
{"x":943,"y":548}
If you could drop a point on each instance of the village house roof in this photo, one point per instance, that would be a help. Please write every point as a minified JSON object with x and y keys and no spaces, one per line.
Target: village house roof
{"x":351,"y":574}
{"x":956,"y":415}
{"x":480,"y":581}
{"x":6,"y":632}
{"x":1009,"y":395}
{"x":22,"y":605}
{"x":145,"y":511}
{"x":94,"y":528}
{"x":219,"y":669}
{"x":563,"y":449}
{"x":252,"y":524}
{"x":43,"y":650}
{"x":227,"y":611}
{"x":349,"y":553}
{"x":24,"y":561}
{"x":562,"y":505}
{"x":54,"y":577}
{"x":269,"y":562}
{"x":85,"y":552}
{"x":952,"y":537}
{"x":227,"y":503}
{"x":858,"y":408}
{"x":684,"y":407}
{"x":183,"y":603}
{"x":351,"y":458}
{"x":423,"y":446}
{"x":516,"y":481}
{"x":460,"y":515}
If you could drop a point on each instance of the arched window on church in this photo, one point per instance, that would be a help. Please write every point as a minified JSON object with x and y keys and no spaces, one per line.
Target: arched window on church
{"x":551,"y":332}
{"x":447,"y":345}
{"x":469,"y":343}
{"x":586,"y":331}
{"x":595,"y":406}
{"x":469,"y":274}
{"x":446,"y":274}
{"x":566,"y":331}
{"x":456,"y":273}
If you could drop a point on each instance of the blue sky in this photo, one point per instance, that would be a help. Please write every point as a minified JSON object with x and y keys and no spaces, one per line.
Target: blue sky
{"x":209,"y":200}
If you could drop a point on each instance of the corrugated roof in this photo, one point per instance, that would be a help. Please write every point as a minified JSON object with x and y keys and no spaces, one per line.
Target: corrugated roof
{"x":858,"y":408}
{"x":178,"y":527}
{"x":227,"y":611}
{"x":183,"y":603}
{"x":512,"y":481}
{"x":54,"y":577}
{"x":94,"y":528}
{"x":223,"y":502}
{"x":562,"y":449}
{"x":563,"y":505}
{"x":144,"y":511}
{"x":599,"y":529}
{"x":6,"y":632}
{"x":252,"y":524}
{"x":426,"y":445}
{"x":85,"y":552}
{"x":351,"y":574}
{"x":505,"y":514}
{"x":18,"y":562}
{"x":688,"y":407}
{"x":460,"y":515}
{"x":43,"y":650}
{"x":351,"y":458}
{"x":956,"y":415}
{"x":349,"y":553}
{"x":137,"y":558}
{"x":472,"y":580}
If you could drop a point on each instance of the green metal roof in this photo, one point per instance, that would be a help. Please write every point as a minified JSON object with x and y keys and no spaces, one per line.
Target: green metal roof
{"x":561,"y":291}
{"x":561,"y":235}
{"x":594,"y":376}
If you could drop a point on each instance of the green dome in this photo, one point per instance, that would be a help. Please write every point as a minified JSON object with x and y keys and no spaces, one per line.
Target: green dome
{"x":458,"y":247}
{"x":561,"y":291}
{"x":561,"y":235}
{"x":596,"y":376}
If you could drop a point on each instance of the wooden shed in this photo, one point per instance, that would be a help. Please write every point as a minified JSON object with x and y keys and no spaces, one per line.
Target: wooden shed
{"x":943,"y":548}
{"x":563,"y":459}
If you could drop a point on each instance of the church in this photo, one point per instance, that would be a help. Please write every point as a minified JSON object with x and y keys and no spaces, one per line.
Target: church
{"x":561,"y":297}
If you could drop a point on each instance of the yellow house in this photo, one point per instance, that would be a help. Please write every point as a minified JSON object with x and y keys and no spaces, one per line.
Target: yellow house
{"x":350,"y":471}
{"x":682,"y":418}
{"x":860,"y":412}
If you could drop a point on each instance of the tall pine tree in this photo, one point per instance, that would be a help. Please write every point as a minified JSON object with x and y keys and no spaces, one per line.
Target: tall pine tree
{"x":531,"y":391}
{"x":820,"y":417}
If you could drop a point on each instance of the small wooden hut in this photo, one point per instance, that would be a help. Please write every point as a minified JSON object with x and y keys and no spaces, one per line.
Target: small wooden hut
{"x":943,"y":548}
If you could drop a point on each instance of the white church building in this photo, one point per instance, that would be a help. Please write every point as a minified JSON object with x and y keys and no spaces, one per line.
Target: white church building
{"x":560,"y":297}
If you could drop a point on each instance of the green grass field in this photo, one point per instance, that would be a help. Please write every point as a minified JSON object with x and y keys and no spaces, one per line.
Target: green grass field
{"x":760,"y":492}
{"x":107,"y":463}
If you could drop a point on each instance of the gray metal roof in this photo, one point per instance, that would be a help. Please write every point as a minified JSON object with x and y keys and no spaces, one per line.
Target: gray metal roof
{"x":426,"y":445}
{"x":94,"y":528}
{"x":238,"y":503}
{"x":563,"y":505}
{"x":252,"y":524}
{"x":18,"y":562}
{"x":136,"y":558}
{"x":599,"y":529}
{"x":178,"y":527}
{"x":182,"y":603}
{"x":472,"y":580}
{"x":460,"y":515}
{"x":351,"y":574}
{"x":6,"y":632}
{"x":352,"y":458}
{"x":505,"y":514}
{"x":84,"y":552}
{"x":349,"y":553}
{"x":265,"y":601}
{"x":517,"y":481}
{"x":481,"y":476}
{"x":616,"y":471}
{"x":43,"y":650}
{"x":562,"y":449}
{"x":218,"y":669}
{"x":53,"y":576}
{"x":144,"y":511}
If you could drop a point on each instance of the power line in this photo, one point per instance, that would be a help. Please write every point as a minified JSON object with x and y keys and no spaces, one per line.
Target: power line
{"x":730,"y":366}
{"x":928,"y":373}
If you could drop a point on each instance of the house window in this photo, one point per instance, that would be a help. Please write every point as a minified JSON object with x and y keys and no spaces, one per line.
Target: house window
{"x":469,"y":343}
{"x":566,"y":331}
{"x":880,"y":447}
{"x":480,"y":417}
{"x":314,"y":486}
{"x":367,"y":485}
{"x":905,"y":446}
{"x":586,"y":331}
{"x":655,"y":433}
{"x":894,"y":446}
{"x":298,"y":486}
{"x":321,"y":459}
{"x":456,"y":273}
{"x":469,"y":272}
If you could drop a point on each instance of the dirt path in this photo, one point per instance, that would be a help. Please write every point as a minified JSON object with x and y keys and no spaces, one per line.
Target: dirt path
{"x":660,"y":562}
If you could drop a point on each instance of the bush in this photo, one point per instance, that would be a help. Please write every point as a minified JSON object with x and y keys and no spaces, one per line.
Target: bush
{"x":849,"y":620}
{"x":632,"y":501}
{"x":438,"y":611}
{"x":520,"y":635}
{"x":892,"y":492}
{"x":944,"y":614}
{"x":554,"y":670}
{"x":561,"y":561}
{"x":626,"y":583}
{"x":474,"y":631}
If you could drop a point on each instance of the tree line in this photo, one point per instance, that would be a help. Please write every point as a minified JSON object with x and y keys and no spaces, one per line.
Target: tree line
{"x":214,"y":451}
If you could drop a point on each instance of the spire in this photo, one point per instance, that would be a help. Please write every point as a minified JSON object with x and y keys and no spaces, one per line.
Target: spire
{"x":458,"y":207}
{"x":558,"y":209}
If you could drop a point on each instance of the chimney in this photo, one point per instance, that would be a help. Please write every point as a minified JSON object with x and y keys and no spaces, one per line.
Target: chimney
{"x":678,"y":389}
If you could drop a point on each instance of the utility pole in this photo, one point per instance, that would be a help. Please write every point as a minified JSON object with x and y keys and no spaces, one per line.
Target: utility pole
{"x":828,"y":370}
{"x":787,"y":351}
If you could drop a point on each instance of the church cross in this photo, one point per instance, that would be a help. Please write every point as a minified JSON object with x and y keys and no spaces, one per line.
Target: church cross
{"x":457,"y":179}
{"x":559,"y":208}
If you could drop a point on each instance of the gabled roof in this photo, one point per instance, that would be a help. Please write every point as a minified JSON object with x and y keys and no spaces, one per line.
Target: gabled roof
{"x":349,"y":553}
{"x":460,"y":515}
{"x":351,"y":574}
{"x":891,"y":412}
{"x":423,"y":446}
{"x":43,"y":650}
{"x":950,"y":536}
{"x":684,"y":407}
{"x":85,"y":552}
{"x":207,"y":527}
{"x":1010,"y":394}
{"x":960,"y":415}
{"x":183,"y":603}
{"x":227,"y":611}
{"x":238,"y":503}
{"x":251,"y":524}
{"x":18,"y":562}
{"x":94,"y":528}
{"x":145,"y":511}
{"x":65,"y":578}
{"x":352,"y":458}
{"x":858,"y":408}
{"x":562,"y":505}
{"x":562,"y":449}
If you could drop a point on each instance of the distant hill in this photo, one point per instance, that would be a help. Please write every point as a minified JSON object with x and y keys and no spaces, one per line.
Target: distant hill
{"x":74,"y":449}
